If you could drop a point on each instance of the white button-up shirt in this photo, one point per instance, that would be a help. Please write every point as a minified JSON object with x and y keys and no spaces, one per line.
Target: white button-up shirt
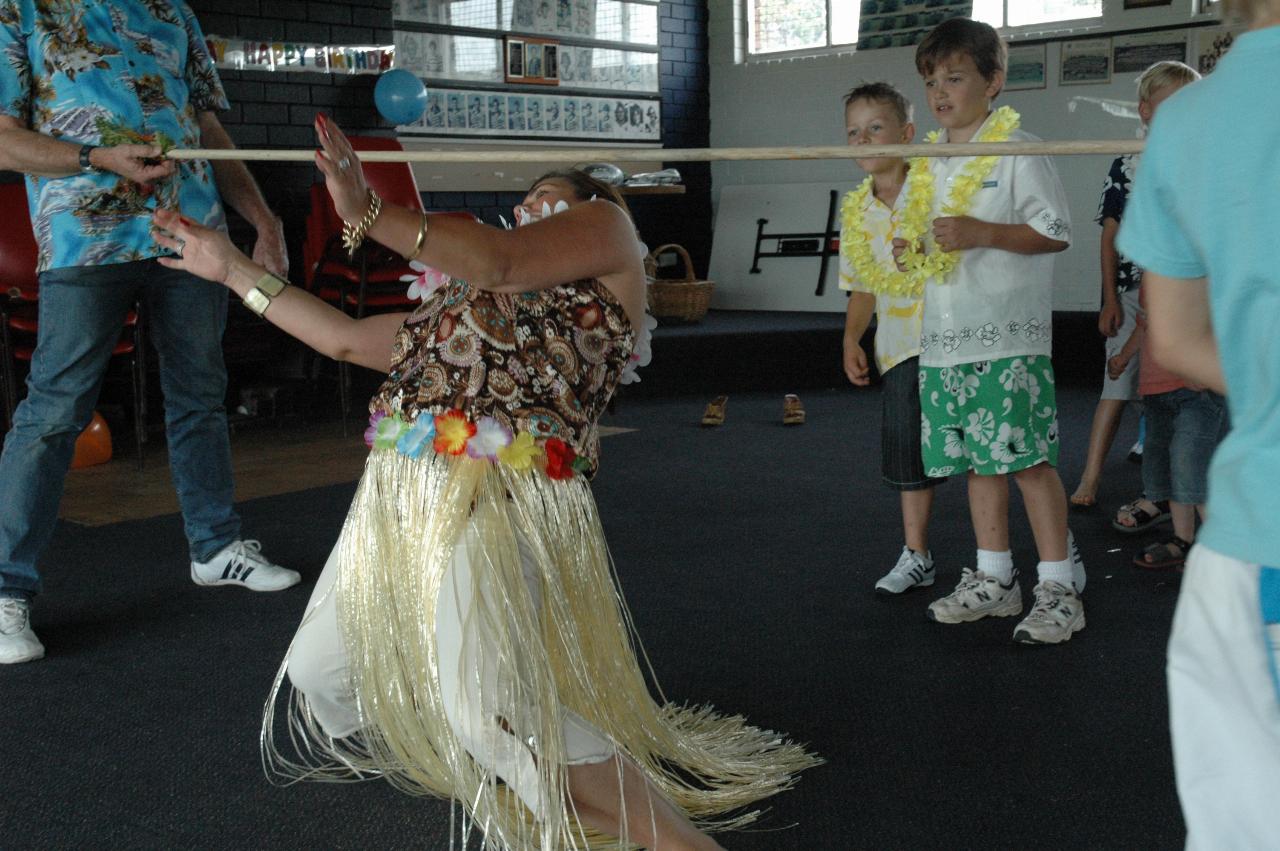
{"x":996,"y":304}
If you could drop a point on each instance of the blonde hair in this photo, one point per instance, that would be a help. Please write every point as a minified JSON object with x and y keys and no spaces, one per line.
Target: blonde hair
{"x":1164,"y":74}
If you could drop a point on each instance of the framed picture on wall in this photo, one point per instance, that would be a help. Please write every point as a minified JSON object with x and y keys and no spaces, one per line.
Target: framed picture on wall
{"x":1025,"y":67}
{"x":539,"y":60}
{"x":1085,"y":62}
{"x":1131,"y":54}
{"x":513,"y":59}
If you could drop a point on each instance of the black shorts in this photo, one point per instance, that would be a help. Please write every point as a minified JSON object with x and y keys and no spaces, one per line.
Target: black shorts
{"x":901,"y":466}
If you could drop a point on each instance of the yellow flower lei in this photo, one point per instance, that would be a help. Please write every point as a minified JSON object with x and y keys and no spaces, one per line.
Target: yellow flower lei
{"x":856,"y":242}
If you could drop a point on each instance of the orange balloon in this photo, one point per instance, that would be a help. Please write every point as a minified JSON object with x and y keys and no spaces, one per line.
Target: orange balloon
{"x":93,"y":446}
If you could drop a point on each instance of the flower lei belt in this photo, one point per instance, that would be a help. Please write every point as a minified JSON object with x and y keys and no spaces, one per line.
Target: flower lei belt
{"x":486,"y":439}
{"x":915,"y":219}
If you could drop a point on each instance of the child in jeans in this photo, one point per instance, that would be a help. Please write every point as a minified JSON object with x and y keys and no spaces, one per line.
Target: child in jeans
{"x":986,"y":379}
{"x":1185,"y":423}
{"x":877,"y":113}
{"x":1117,"y":320}
{"x":1202,"y":225}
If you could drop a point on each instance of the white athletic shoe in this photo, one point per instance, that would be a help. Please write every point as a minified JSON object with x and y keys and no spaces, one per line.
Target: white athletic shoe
{"x":18,"y":643}
{"x":1057,"y":614}
{"x":242,"y":563}
{"x":978,"y":596}
{"x":913,"y":570}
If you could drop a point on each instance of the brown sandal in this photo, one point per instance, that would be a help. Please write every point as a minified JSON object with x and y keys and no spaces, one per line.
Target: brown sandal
{"x":792,"y":410}
{"x":1169,"y":554}
{"x":714,"y":414}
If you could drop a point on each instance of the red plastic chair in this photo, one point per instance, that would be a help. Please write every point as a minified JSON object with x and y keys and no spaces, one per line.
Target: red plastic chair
{"x":19,"y":324}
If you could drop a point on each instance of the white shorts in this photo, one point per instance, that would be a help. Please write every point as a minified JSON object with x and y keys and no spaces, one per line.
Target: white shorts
{"x":1224,"y":706}
{"x":1126,"y":386}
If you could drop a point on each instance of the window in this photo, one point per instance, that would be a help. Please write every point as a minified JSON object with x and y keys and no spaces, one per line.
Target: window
{"x":1022,"y":13}
{"x":775,"y":26}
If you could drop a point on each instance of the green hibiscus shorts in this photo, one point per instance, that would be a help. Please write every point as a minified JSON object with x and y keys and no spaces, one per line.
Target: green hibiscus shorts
{"x":991,"y":417}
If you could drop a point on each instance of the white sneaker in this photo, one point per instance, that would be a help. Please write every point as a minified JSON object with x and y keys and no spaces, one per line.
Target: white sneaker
{"x":242,"y":563}
{"x":1057,"y":614}
{"x":18,"y":643}
{"x":913,"y":570}
{"x":977,"y":596}
{"x":1077,"y":564}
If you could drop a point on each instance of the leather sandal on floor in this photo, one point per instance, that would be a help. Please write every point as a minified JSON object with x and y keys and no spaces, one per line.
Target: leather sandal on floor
{"x":1142,"y":519}
{"x":714,"y":414}
{"x":792,"y":410}
{"x":1169,"y":554}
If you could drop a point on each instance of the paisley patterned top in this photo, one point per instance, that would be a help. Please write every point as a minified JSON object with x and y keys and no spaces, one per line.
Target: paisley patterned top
{"x":109,"y":72}
{"x":542,"y":362}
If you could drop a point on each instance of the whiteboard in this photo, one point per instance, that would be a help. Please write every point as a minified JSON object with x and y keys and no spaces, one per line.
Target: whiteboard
{"x":783,"y":283}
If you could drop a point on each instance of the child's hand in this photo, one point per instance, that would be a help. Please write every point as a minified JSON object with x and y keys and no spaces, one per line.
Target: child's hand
{"x":957,"y":233}
{"x":900,"y":247}
{"x":1111,"y":318}
{"x":855,"y":365}
{"x":1116,"y":366}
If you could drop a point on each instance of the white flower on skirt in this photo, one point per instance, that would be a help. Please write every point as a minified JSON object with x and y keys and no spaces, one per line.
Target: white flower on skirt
{"x":981,"y":426}
{"x":958,"y":384}
{"x":953,"y":445}
{"x":1014,"y":376}
{"x":1010,"y":443}
{"x":926,"y":430}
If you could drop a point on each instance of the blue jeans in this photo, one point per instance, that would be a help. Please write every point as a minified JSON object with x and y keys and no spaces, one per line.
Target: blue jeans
{"x":82,"y":312}
{"x":1184,"y":427}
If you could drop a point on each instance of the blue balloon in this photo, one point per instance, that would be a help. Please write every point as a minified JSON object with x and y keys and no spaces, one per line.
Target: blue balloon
{"x":401,"y":97}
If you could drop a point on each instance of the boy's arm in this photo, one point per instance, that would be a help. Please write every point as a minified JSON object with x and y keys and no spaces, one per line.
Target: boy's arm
{"x":1181,"y":333}
{"x":1112,"y":315}
{"x":1116,"y":363}
{"x":857,"y":317}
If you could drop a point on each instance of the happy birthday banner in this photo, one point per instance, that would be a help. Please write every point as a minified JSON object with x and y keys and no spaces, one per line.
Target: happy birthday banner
{"x":248,"y":55}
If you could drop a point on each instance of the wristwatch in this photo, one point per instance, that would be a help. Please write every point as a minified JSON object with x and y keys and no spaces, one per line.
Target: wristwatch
{"x":86,"y":166}
{"x":258,"y":299}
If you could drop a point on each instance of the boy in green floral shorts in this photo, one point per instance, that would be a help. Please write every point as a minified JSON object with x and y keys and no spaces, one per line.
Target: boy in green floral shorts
{"x":986,"y":379}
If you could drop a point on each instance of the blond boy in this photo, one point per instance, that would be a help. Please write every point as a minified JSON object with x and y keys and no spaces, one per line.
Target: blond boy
{"x":878,"y":114}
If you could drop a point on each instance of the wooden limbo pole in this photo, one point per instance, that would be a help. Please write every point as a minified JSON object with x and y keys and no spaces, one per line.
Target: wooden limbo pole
{"x":618,"y":155}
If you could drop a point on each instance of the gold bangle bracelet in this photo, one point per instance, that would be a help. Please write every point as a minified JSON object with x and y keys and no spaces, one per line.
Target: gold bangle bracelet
{"x":258,"y":298}
{"x":353,"y":235}
{"x":422,"y":238}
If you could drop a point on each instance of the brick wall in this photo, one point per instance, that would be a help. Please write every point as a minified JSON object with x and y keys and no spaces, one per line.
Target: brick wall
{"x":276,"y":110}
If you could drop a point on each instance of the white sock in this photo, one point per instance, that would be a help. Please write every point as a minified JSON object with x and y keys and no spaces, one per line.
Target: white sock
{"x":1061,"y":572}
{"x":996,"y":564}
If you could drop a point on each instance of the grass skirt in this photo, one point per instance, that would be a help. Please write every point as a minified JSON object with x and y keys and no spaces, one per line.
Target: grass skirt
{"x":563,"y":649}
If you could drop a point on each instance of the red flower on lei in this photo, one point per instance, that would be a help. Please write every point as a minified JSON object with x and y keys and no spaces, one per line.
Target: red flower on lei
{"x":560,"y":458}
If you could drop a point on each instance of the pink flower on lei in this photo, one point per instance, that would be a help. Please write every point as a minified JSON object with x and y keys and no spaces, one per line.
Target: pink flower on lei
{"x":425,"y":282}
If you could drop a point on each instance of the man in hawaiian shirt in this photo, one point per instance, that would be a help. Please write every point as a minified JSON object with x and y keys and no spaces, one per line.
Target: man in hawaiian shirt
{"x":91,"y":93}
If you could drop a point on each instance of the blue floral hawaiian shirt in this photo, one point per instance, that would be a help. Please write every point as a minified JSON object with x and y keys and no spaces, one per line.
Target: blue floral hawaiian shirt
{"x":109,"y":72}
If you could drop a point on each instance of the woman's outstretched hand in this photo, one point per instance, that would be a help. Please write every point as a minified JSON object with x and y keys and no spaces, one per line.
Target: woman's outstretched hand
{"x":202,"y":251}
{"x":343,"y":175}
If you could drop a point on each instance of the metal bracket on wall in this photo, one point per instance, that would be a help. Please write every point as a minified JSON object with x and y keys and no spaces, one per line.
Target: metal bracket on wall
{"x":825,"y":244}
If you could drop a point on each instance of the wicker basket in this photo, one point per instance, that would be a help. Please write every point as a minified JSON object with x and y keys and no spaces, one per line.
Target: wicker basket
{"x":684,"y":298}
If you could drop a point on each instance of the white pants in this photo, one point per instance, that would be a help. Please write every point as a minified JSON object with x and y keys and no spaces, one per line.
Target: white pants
{"x":319,"y":668}
{"x":1224,"y":711}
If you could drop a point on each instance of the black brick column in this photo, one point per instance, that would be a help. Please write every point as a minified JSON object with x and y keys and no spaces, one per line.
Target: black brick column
{"x":276,"y":109}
